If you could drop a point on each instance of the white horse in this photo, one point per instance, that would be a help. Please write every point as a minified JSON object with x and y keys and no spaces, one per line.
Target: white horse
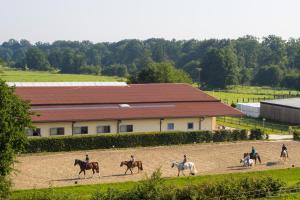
{"x":284,"y":155}
{"x":183,"y":166}
{"x":246,"y":163}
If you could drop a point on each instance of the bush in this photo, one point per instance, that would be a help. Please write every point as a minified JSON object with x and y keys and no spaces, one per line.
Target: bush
{"x":296,"y":135}
{"x":153,"y":188}
{"x":71,"y":143}
{"x":4,"y":187}
{"x":257,"y":134}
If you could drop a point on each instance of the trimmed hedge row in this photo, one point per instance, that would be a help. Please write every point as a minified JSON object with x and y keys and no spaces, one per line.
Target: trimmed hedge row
{"x":71,"y":143}
{"x":296,"y":135}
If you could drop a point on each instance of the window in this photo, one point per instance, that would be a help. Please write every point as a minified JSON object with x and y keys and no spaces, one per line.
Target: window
{"x":171,"y":126}
{"x":80,"y":130}
{"x":33,"y":132}
{"x":126,"y":128}
{"x":190,"y":125}
{"x":57,"y":131}
{"x":103,"y":129}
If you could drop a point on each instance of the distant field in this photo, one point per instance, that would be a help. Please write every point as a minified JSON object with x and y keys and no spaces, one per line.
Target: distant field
{"x":252,"y":123}
{"x":234,"y":94}
{"x":37,"y":76}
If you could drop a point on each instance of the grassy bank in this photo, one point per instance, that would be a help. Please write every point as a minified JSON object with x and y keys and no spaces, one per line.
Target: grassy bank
{"x":253,"y":123}
{"x":290,"y":176}
{"x":234,"y":94}
{"x":38,"y":76}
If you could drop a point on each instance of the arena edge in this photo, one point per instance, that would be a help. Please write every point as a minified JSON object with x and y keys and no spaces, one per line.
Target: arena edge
{"x":72,"y":143}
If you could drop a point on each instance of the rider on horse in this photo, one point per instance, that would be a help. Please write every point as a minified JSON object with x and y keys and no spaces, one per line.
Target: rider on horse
{"x":284,"y":148}
{"x":184,"y":159}
{"x":87,"y":160}
{"x":253,"y":152}
{"x":132,"y":159}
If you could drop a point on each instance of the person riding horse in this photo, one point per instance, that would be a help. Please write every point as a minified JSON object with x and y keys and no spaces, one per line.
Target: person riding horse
{"x":284,"y":148}
{"x":132,"y":159}
{"x":87,"y":160}
{"x":184,"y":159}
{"x":253,"y":152}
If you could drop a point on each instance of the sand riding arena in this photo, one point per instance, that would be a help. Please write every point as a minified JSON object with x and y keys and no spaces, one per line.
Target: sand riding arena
{"x":57,"y":169}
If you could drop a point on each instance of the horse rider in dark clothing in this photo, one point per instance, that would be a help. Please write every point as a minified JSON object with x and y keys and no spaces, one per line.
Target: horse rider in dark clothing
{"x":284,"y":148}
{"x":184,"y":159}
{"x":87,"y":160}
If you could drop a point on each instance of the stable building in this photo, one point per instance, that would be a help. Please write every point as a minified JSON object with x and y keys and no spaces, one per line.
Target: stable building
{"x":282,"y":110}
{"x":100,"y":108}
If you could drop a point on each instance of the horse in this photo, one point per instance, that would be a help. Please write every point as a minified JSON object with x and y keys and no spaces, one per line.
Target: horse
{"x":246,"y":163}
{"x":130,"y":165}
{"x":87,"y":166}
{"x":183,"y":166}
{"x":284,"y":155}
{"x":253,"y":157}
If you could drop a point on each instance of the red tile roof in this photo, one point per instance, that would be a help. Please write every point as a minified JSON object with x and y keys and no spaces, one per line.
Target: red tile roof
{"x":84,"y":103}
{"x":136,"y":111}
{"x":135,"y":93}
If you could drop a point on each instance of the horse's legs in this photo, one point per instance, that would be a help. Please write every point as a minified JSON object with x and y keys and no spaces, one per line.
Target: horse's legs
{"x":258,"y":157}
{"x":183,"y":172}
{"x":79,"y":173}
{"x":126,"y":170}
{"x":131,"y":170}
{"x":178,"y":172}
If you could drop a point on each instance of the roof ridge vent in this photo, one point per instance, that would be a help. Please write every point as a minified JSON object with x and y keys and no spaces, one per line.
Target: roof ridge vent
{"x":124,"y":105}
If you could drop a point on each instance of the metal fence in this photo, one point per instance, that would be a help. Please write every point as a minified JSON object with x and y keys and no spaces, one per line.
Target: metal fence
{"x":254,"y":99}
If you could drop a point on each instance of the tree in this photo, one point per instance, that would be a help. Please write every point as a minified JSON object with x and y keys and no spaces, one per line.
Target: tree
{"x":192,"y":68}
{"x":36,"y":59}
{"x":14,"y":118}
{"x":220,"y":68}
{"x":163,"y":72}
{"x":115,"y":70}
{"x":269,"y":75}
{"x":273,"y":51}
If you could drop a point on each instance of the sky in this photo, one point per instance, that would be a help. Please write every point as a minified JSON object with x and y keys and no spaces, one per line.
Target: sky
{"x":114,"y":20}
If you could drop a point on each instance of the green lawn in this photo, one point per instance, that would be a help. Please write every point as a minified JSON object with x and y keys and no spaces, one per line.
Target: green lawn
{"x":38,"y":76}
{"x":252,"y":123}
{"x":290,"y":176}
{"x":234,"y":94}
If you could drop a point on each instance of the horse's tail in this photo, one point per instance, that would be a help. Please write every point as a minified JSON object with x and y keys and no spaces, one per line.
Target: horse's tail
{"x":258,"y":157}
{"x":97,"y":167}
{"x":194,"y":170}
{"x":141,"y":166}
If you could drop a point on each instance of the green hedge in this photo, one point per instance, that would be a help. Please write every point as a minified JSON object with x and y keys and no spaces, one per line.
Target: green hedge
{"x":296,"y":135}
{"x":123,"y":140}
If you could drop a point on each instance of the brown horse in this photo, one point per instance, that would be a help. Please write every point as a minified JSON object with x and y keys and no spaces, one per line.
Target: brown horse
{"x":130,"y":165}
{"x":254,"y":157}
{"x":87,"y":166}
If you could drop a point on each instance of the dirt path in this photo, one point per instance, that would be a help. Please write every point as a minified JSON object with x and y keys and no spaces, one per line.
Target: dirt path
{"x":57,"y":169}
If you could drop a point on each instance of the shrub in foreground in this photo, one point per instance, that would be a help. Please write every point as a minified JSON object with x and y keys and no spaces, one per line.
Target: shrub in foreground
{"x":296,"y":135}
{"x":5,"y":185}
{"x":154,"y":188}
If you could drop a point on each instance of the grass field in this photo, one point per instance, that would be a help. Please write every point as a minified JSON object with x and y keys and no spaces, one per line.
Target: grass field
{"x":234,"y":94}
{"x":290,"y":176}
{"x":37,"y":76}
{"x":252,"y":123}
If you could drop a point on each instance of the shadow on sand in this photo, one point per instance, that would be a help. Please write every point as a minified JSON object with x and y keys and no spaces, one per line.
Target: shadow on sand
{"x":238,"y":167}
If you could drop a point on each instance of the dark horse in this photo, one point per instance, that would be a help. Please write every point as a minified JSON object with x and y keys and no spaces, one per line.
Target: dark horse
{"x":254,"y":157}
{"x":83,"y":166}
{"x":130,"y":165}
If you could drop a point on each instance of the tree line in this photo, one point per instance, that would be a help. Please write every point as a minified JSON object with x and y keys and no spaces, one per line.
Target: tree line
{"x":217,"y":63}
